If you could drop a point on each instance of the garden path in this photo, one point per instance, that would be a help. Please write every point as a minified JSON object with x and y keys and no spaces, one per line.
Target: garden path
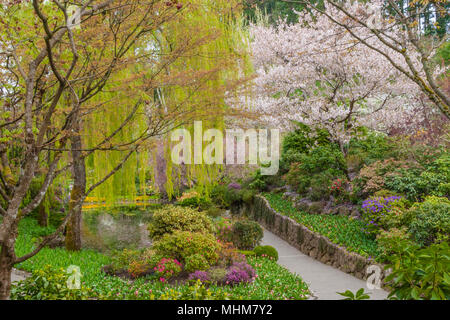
{"x":323,"y":280}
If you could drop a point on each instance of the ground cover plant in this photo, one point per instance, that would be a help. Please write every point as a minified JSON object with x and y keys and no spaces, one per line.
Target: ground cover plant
{"x":341,"y":230}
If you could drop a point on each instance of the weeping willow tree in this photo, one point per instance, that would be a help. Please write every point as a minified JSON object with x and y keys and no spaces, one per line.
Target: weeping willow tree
{"x":204,"y":56}
{"x":222,"y":61}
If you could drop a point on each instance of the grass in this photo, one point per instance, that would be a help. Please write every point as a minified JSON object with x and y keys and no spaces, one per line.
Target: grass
{"x":273,"y":281}
{"x":341,"y":230}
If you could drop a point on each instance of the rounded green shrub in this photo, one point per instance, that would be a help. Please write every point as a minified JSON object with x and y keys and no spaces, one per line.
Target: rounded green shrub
{"x":217,"y":275}
{"x":183,"y":244}
{"x":171,"y":218}
{"x":196,"y":262}
{"x":247,"y":234}
{"x":429,"y":221}
{"x":266,"y":251}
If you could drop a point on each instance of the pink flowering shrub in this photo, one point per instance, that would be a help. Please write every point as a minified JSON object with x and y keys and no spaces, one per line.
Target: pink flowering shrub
{"x":167,"y":268}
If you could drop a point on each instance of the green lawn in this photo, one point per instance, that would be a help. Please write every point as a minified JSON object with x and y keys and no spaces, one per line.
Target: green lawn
{"x":341,"y":230}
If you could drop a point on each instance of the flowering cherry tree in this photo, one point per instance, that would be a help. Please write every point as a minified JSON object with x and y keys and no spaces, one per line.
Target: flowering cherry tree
{"x":317,"y":73}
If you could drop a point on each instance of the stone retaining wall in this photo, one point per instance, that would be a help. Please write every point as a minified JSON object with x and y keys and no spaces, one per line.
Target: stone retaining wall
{"x":307,"y":241}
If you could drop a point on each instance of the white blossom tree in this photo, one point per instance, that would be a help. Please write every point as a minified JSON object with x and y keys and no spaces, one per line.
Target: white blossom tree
{"x":318,"y":73}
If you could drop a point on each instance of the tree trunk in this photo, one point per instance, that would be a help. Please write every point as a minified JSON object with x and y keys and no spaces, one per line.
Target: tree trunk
{"x":6,"y":266}
{"x":42,"y":215}
{"x":73,"y":231}
{"x":161,"y":168}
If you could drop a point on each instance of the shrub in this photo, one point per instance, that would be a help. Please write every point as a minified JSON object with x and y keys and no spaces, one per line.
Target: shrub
{"x":430,"y":220}
{"x":316,"y":170}
{"x":202,"y":276}
{"x":196,"y":262}
{"x":182,"y":244}
{"x":259,"y":182}
{"x":121,"y":260}
{"x":266,"y":251}
{"x":240,"y":273}
{"x":137,"y":268}
{"x":172,"y":218}
{"x":194,"y":200}
{"x":218,"y":195}
{"x":319,"y":185}
{"x":214,"y":212}
{"x":217,"y":275}
{"x":301,"y":141}
{"x":392,"y":241}
{"x":248,"y":195}
{"x":370,"y":148}
{"x":48,"y":284}
{"x":224,"y":229}
{"x":235,"y":186}
{"x":247,"y":234}
{"x":167,"y":268}
{"x":228,"y":254}
{"x":416,"y":182}
{"x":420,"y":274}
{"x":375,"y":211}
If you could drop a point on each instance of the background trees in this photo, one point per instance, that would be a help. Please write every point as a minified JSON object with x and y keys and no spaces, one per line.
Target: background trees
{"x":332,"y":70}
{"x":398,"y":36}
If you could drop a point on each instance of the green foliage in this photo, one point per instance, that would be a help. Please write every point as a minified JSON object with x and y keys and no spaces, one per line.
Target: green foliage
{"x":196,"y":262}
{"x":182,"y":244}
{"x":341,"y":230}
{"x":314,"y":171}
{"x":48,"y":284}
{"x":418,"y":182}
{"x":218,"y":195}
{"x":382,"y":213}
{"x":274,"y":282}
{"x":172,"y":218}
{"x":420,"y":274}
{"x":224,"y":196}
{"x":359,"y":295}
{"x":266,"y":251}
{"x":217,"y":275}
{"x":197,"y":202}
{"x":259,"y":181}
{"x":430,"y":220}
{"x":247,"y":253}
{"x":122,"y":259}
{"x":392,"y":241}
{"x":247,"y":234}
{"x":369,"y":148}
{"x":248,"y":195}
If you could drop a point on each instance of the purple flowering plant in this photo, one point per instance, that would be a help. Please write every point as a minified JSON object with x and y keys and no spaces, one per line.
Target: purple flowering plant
{"x":234,"y":185}
{"x":203,"y":276}
{"x":375,"y":209}
{"x":240,"y":272}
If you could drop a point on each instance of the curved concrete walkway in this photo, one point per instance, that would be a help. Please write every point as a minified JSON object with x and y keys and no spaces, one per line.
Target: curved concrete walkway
{"x":323,"y":280}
